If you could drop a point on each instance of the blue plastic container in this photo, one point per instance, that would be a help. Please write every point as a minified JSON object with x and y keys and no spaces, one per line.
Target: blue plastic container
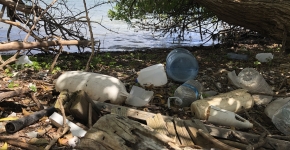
{"x":181,"y":65}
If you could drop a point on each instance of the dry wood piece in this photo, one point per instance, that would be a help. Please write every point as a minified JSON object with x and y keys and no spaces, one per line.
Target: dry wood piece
{"x":118,"y":132}
{"x":182,"y":133}
{"x":16,"y":92}
{"x":157,"y":123}
{"x":216,"y":142}
{"x":40,"y":107}
{"x":192,"y":128}
{"x":213,"y":131}
{"x":17,"y":143}
{"x":29,"y":45}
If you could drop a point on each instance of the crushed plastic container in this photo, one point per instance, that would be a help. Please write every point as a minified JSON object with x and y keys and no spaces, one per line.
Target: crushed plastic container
{"x":181,"y":65}
{"x":186,"y":93}
{"x":264,"y":57}
{"x":139,"y":97}
{"x":251,"y":80}
{"x":232,"y":101}
{"x":153,"y":75}
{"x":279,"y":112}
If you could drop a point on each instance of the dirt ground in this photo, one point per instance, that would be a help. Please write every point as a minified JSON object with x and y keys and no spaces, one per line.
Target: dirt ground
{"x":213,"y":68}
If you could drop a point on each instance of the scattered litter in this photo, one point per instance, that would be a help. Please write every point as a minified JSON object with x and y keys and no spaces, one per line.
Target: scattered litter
{"x":227,"y":118}
{"x":251,"y":80}
{"x":57,"y":120}
{"x":186,"y":93}
{"x":139,"y":97}
{"x":98,"y":86}
{"x":231,"y":101}
{"x":279,"y":112}
{"x":23,"y":60}
{"x":181,"y":65}
{"x":153,"y":75}
{"x":264,"y":57}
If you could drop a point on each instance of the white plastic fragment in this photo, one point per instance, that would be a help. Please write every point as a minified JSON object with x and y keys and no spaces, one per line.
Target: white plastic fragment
{"x":32,"y":134}
{"x":73,"y":141}
{"x":23,"y":60}
{"x":57,"y":120}
{"x":98,"y":86}
{"x":264,"y":57}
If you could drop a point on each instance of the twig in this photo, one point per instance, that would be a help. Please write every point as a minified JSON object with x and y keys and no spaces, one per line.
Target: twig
{"x":286,"y":138}
{"x":261,"y":142}
{"x":216,"y":142}
{"x":40,"y":107}
{"x":275,"y":95}
{"x":90,"y":115}
{"x":18,"y":143}
{"x":60,"y":133}
{"x":13,"y":93}
{"x":237,"y":135}
{"x":92,"y":37}
{"x":246,"y":112}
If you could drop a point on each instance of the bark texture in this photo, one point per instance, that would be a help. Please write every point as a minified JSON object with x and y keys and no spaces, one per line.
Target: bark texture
{"x":270,"y":18}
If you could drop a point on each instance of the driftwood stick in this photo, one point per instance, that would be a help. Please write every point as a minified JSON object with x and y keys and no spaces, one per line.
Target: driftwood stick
{"x":240,"y":137}
{"x":261,"y":142}
{"x":16,"y":92}
{"x":216,"y":142}
{"x":18,"y":143}
{"x":40,"y":107}
{"x":257,"y":123}
{"x":286,"y":138}
{"x":29,"y":45}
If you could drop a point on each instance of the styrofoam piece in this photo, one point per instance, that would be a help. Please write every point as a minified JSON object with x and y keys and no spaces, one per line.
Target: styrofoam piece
{"x":98,"y":86}
{"x":227,"y":118}
{"x":139,"y":97}
{"x":57,"y":120}
{"x":153,"y":75}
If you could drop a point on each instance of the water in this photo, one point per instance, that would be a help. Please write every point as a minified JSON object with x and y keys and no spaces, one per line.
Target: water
{"x":126,"y":38}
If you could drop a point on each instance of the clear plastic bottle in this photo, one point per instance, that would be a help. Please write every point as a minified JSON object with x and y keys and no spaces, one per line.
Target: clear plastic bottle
{"x":187,"y":93}
{"x":181,"y":65}
{"x":281,"y":119}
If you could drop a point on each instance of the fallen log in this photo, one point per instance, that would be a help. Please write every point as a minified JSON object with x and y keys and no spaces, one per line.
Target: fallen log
{"x":29,"y":45}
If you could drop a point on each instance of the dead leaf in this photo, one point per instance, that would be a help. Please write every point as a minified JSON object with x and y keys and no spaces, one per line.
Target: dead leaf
{"x":25,"y":113}
{"x":38,"y":141}
{"x":4,"y":147}
{"x":8,"y":118}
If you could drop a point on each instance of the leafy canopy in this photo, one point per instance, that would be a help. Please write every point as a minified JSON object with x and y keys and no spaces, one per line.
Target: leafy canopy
{"x":165,"y":16}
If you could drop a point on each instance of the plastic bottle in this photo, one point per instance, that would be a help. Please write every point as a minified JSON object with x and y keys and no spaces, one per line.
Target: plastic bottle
{"x":181,"y":65}
{"x":220,"y":116}
{"x":187,"y":93}
{"x":279,"y":112}
{"x":237,"y":56}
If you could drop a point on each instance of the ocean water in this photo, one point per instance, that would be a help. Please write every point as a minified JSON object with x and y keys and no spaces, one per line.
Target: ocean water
{"x":124,"y":36}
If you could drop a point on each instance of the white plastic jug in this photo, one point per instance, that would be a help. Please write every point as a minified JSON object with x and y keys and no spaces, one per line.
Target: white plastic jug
{"x":153,"y":75}
{"x":227,"y":118}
